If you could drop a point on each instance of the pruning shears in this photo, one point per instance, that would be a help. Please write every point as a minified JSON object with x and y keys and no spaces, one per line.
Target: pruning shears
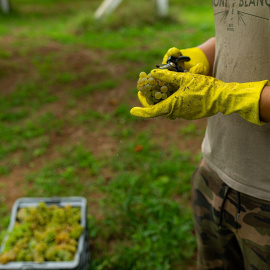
{"x":175,"y":63}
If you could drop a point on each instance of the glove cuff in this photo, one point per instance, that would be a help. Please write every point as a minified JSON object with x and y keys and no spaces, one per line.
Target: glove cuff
{"x":244,"y":99}
{"x":197,"y":54}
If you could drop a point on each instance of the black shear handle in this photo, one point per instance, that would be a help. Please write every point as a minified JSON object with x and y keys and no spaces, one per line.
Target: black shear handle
{"x":177,"y":60}
{"x":174,"y":63}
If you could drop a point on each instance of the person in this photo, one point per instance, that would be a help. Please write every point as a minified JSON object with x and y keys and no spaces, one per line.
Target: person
{"x":231,"y":184}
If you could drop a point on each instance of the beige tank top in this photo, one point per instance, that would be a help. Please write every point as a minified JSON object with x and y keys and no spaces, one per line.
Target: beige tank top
{"x":236,"y":149}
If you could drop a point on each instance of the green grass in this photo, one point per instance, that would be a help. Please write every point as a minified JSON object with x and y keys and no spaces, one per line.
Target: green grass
{"x":70,"y":171}
{"x":65,"y":125}
{"x":149,"y":220}
{"x":139,"y":206}
{"x":190,"y":130}
{"x":101,"y":86}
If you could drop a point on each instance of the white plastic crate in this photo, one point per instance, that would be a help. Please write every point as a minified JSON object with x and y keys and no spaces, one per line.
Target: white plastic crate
{"x":82,"y":256}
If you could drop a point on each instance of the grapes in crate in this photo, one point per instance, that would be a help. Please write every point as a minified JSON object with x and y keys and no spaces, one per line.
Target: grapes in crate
{"x":43,"y":233}
{"x":154,"y":90}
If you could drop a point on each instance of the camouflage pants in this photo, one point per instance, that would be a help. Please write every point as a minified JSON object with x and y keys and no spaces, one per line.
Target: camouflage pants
{"x":225,"y":241}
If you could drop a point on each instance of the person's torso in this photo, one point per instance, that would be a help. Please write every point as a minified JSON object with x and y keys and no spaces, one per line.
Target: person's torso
{"x":238,"y":150}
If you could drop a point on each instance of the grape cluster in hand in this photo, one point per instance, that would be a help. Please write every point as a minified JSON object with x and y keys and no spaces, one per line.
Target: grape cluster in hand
{"x":154,"y":90}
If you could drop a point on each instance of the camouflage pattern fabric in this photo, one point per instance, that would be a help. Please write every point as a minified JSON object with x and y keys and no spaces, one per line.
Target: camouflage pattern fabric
{"x":225,"y":242}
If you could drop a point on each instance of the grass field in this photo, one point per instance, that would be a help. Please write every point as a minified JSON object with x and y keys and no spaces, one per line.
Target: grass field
{"x":67,"y":84}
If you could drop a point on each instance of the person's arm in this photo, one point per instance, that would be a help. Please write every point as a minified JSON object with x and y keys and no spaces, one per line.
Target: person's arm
{"x":265,"y":105}
{"x":208,"y":48}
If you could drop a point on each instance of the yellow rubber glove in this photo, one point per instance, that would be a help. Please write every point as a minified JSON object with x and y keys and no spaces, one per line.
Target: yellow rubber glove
{"x":202,"y":96}
{"x":196,"y":56}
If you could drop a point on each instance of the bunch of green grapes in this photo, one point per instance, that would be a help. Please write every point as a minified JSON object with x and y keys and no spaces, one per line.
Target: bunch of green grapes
{"x":43,"y":233}
{"x":154,"y":90}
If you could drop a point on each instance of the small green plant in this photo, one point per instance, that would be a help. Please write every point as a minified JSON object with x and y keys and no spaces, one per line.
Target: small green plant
{"x":64,"y":172}
{"x":122,"y":113}
{"x":66,"y":77}
{"x":91,"y":115}
{"x":5,"y":54}
{"x":191,"y":130}
{"x":89,"y":89}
